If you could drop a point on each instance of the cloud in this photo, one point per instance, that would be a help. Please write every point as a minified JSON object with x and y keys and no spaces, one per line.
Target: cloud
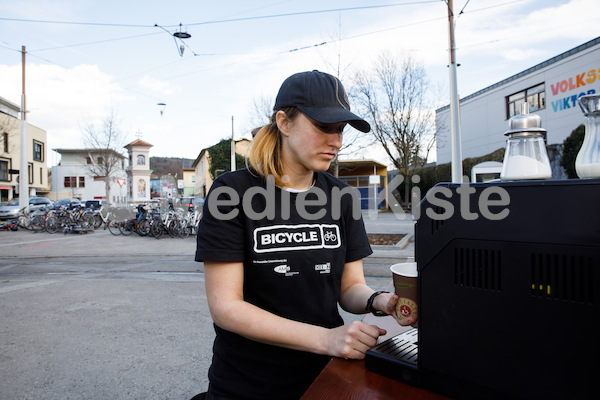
{"x":59,"y":99}
{"x":521,"y":54}
{"x":162,"y":87}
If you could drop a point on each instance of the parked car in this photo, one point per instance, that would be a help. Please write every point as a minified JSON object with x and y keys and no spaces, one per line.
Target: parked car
{"x":68,"y":203}
{"x":11,"y":210}
{"x":93,"y":204}
{"x":38,"y":203}
{"x":185,"y":202}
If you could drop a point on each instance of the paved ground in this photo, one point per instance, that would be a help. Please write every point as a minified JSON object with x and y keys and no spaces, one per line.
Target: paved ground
{"x":94,"y":316}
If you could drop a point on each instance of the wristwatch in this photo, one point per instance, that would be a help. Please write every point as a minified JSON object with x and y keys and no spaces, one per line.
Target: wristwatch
{"x":370,"y":308}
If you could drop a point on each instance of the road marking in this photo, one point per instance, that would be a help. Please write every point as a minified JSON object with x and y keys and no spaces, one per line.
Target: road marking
{"x":6,"y":267}
{"x":24,"y":286}
{"x":49,"y":240}
{"x":175,"y":277}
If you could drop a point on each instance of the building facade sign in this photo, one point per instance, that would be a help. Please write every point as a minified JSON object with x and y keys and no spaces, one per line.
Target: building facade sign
{"x":573,"y":87}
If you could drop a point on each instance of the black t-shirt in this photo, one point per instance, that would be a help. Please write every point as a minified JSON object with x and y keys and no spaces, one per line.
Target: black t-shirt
{"x":294,"y":247}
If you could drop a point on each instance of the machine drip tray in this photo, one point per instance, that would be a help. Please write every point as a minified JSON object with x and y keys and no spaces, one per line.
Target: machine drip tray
{"x":397,"y":357}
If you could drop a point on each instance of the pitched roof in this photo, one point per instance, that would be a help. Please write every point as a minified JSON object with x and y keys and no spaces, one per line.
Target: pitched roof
{"x":138,"y":142}
{"x":87,"y":151}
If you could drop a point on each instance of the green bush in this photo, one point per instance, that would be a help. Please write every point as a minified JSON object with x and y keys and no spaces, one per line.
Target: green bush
{"x":431,"y":176}
{"x":572,"y":145}
{"x":220,"y":157}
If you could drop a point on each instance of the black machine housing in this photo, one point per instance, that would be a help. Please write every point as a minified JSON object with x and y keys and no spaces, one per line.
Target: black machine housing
{"x":508,"y":307}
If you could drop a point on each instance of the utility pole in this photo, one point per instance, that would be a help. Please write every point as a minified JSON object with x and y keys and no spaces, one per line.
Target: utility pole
{"x":24,"y":170}
{"x":232,"y":147}
{"x":454,"y":105}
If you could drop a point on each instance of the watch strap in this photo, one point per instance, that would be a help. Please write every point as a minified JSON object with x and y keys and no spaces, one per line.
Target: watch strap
{"x":370,"y":308}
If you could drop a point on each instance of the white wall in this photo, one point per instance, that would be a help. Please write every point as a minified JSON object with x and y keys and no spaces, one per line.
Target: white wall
{"x":483,"y":116}
{"x":71,"y":166}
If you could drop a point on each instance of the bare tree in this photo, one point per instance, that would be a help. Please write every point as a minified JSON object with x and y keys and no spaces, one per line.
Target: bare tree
{"x":394,"y":96}
{"x":353,"y":139}
{"x":262,"y":109}
{"x":104,"y":141}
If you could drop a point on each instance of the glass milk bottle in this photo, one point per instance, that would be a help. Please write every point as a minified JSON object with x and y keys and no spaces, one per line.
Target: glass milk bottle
{"x":525,"y":156}
{"x":587,"y":163}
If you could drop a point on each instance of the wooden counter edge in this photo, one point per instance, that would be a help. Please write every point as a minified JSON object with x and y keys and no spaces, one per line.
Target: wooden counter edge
{"x":350,"y":379}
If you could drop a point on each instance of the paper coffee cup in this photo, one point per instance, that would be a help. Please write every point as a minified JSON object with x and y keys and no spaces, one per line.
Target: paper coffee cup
{"x":405,"y":287}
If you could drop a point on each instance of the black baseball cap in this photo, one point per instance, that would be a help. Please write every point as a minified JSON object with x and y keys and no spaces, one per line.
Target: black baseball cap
{"x":321,"y":97}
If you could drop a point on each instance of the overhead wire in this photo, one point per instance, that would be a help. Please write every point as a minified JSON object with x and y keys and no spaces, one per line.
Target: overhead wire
{"x":310,"y":12}
{"x":220,"y":20}
{"x":97,"y":41}
{"x":229,"y":20}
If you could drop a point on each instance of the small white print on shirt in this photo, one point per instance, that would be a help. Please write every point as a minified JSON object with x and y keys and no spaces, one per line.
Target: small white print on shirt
{"x":285,"y":269}
{"x":323,"y":268}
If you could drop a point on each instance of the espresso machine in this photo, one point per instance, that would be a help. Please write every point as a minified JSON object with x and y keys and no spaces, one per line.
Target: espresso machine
{"x":508,"y":290}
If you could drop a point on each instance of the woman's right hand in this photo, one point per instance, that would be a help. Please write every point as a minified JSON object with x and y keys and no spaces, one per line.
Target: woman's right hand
{"x":352,"y":340}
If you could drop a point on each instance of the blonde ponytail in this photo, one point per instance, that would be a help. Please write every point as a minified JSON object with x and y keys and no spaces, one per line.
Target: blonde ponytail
{"x":264,"y":155}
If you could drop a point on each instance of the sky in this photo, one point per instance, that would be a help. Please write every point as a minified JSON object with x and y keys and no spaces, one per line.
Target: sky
{"x":86,"y":58}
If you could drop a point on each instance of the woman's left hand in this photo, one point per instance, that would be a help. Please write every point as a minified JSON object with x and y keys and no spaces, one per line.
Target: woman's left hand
{"x":386,"y":302}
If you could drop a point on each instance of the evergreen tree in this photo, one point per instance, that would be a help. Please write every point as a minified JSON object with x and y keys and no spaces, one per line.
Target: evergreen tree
{"x":220,"y":157}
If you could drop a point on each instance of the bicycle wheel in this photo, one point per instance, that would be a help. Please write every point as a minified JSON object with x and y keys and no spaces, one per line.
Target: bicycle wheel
{"x":86,"y":221}
{"x":52,"y":224}
{"x":25,"y":221}
{"x":38,"y":223}
{"x":113,"y":227}
{"x":143,"y":227}
{"x":127,"y":227}
{"x":156,"y":229}
{"x":97,"y":221}
{"x":184,"y":230}
{"x":172,"y":228}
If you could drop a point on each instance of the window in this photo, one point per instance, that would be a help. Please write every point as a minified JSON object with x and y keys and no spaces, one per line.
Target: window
{"x":535,"y":97}
{"x":88,"y":160}
{"x":74,"y":181}
{"x":41,"y":176}
{"x":4,"y":167}
{"x":5,"y":141}
{"x":30,"y":173}
{"x":38,"y":151}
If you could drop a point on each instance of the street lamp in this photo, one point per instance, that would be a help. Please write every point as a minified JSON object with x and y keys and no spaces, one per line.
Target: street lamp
{"x":163,"y":105}
{"x":177,"y":35}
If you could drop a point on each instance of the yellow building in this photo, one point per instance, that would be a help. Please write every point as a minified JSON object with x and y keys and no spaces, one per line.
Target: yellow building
{"x":202,"y":167}
{"x":369,"y":177}
{"x":189,"y":178}
{"x":10,"y":154}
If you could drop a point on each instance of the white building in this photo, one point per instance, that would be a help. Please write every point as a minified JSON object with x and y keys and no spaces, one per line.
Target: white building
{"x":10,"y":154}
{"x":551,"y":89}
{"x":73,"y":177}
{"x":138,"y":171}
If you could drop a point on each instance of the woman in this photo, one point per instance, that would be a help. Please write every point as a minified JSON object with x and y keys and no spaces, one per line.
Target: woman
{"x":282,"y":244}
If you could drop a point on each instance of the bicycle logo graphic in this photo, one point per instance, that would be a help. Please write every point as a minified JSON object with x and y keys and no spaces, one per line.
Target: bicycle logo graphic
{"x":330,"y":236}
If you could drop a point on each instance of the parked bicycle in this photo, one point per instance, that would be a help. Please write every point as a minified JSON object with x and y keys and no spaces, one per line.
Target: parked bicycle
{"x":73,"y":219}
{"x":11,"y":224}
{"x":33,"y":220}
{"x":140,"y":223}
